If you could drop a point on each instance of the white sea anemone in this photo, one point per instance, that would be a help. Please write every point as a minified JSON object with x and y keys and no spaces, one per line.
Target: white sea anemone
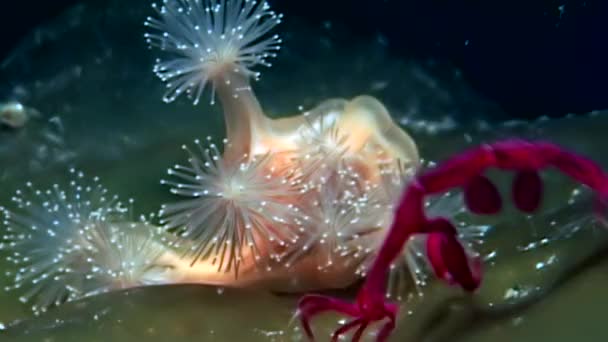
{"x":342,"y":215}
{"x":233,"y":210}
{"x":203,"y":38}
{"x":322,"y":147}
{"x":75,"y":242}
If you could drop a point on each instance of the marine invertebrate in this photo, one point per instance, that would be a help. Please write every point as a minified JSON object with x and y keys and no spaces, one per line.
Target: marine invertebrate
{"x":219,"y":42}
{"x":412,"y":267}
{"x":323,"y":148}
{"x":69,"y":243}
{"x":210,"y":40}
{"x":445,"y":252}
{"x":342,"y":215}
{"x":246,"y":203}
{"x":234,"y":208}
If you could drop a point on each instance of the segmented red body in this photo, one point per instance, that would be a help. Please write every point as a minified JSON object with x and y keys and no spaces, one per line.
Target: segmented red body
{"x":444,"y":251}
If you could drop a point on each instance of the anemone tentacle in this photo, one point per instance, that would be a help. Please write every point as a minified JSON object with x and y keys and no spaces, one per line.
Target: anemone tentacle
{"x":70,"y":243}
{"x":232,"y":209}
{"x":342,"y":215}
{"x":203,"y":37}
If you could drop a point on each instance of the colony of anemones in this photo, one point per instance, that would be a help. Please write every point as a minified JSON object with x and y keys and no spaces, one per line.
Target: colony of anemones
{"x":291,"y":204}
{"x":76,"y":241}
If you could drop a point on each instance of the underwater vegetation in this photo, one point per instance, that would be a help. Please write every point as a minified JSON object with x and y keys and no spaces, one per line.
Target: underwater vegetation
{"x":308,"y":202}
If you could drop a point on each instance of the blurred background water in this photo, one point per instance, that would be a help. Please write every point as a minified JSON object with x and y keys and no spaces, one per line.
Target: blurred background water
{"x":452,"y":74}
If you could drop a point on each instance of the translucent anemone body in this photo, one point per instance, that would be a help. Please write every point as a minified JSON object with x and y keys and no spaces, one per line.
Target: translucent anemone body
{"x":303,"y":194}
{"x":289,"y":204}
{"x":307,"y":189}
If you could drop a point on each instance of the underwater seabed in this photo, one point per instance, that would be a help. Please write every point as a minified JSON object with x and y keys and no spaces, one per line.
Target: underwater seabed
{"x":100,"y":111}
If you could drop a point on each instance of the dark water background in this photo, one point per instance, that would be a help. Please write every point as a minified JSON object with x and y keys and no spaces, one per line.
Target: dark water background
{"x":533,"y":58}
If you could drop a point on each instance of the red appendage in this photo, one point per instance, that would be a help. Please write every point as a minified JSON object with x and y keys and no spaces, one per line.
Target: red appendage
{"x":445,"y":252}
